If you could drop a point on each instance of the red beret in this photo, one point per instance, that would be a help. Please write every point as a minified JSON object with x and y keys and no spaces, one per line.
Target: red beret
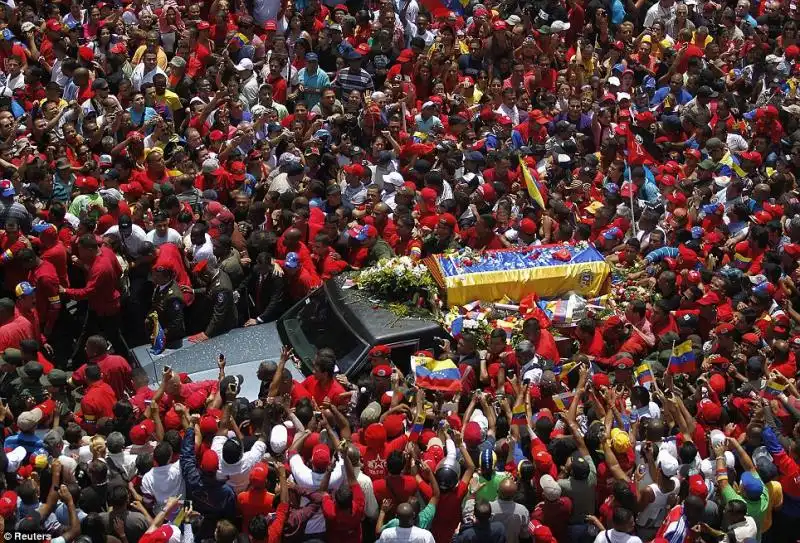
{"x":200,"y":266}
{"x":380,"y":350}
{"x":383,"y":370}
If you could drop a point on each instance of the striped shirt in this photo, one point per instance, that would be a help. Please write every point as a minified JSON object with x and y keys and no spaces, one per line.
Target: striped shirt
{"x":348,"y":81}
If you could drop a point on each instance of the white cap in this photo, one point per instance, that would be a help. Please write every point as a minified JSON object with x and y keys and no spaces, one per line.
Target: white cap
{"x":690,"y":2}
{"x":667,"y":464}
{"x":717,"y":437}
{"x":559,"y":26}
{"x":394,"y":178}
{"x":428,"y":104}
{"x":613,"y":80}
{"x":244,"y":64}
{"x":15,"y":459}
{"x":278,"y":438}
{"x":623,"y":96}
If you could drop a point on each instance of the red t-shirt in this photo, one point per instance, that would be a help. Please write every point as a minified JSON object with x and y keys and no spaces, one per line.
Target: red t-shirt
{"x":253,"y":502}
{"x":398,"y":488}
{"x":344,"y":526}
{"x":448,"y":510}
{"x":320,"y":391}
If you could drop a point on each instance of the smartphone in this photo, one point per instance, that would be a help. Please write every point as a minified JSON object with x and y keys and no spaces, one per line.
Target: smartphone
{"x":148,"y":402}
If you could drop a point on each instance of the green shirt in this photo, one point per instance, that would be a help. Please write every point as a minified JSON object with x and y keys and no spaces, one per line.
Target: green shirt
{"x":755,"y":508}
{"x":424,"y":519}
{"x":490,"y":486}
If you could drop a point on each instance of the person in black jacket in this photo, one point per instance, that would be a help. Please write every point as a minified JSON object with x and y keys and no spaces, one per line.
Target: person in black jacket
{"x":210,"y":497}
{"x":265,"y":291}
{"x":168,"y":304}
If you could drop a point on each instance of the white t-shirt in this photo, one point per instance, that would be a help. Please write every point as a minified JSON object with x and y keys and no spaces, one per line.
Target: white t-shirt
{"x":406,"y":535}
{"x":172,"y":237}
{"x":133,"y":242}
{"x":613,"y":536}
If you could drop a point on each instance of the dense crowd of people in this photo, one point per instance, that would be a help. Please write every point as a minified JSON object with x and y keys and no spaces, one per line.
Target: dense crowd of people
{"x":192,"y":167}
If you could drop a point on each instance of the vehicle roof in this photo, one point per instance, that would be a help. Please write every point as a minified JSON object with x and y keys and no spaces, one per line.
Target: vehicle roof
{"x":375,"y":324}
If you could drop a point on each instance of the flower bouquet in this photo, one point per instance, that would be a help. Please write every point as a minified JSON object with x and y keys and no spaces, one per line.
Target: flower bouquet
{"x":400,"y":281}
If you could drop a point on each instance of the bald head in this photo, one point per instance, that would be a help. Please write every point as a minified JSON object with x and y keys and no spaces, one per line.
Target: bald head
{"x":405,"y":515}
{"x":508,"y":488}
{"x":292,"y":236}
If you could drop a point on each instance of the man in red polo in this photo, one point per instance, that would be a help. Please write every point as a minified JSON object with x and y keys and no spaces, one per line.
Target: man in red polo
{"x":115,"y":369}
{"x":98,"y":400}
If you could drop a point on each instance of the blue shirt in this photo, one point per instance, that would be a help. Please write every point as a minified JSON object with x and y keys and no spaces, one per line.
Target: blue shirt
{"x":31,"y":442}
{"x":138,"y":120}
{"x":313,"y":84}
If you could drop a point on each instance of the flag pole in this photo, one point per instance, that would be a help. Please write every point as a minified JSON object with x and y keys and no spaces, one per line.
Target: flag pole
{"x":630,"y":180}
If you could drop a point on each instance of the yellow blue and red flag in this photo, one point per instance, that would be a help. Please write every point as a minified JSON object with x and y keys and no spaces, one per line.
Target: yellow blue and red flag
{"x":683,"y":359}
{"x":530,"y":184}
{"x":430,"y":374}
{"x":644,"y":376}
{"x":563,"y":400}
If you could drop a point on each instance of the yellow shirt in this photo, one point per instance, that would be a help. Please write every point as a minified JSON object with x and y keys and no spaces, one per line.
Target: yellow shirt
{"x":161,"y":57}
{"x":170,"y":99}
{"x":775,"y":492}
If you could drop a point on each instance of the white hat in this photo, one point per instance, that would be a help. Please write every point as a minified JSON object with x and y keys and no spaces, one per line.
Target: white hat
{"x":394,"y":178}
{"x":27,"y":26}
{"x":559,"y":26}
{"x":434,"y":442}
{"x":428,"y":104}
{"x":15,"y":459}
{"x":480,"y":418}
{"x":278,"y":438}
{"x":550,"y":488}
{"x":513,"y":20}
{"x":717,"y":437}
{"x":210,"y":165}
{"x":623,"y":96}
{"x":613,"y":80}
{"x":690,"y":2}
{"x":257,"y":110}
{"x":244,"y":64}
{"x":667,"y":464}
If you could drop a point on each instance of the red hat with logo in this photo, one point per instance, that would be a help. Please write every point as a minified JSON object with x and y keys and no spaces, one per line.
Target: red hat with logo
{"x":382,"y":370}
{"x":355,"y":169}
{"x":380,"y":351}
{"x":8,"y":504}
{"x":709,"y":411}
{"x":527,"y":226}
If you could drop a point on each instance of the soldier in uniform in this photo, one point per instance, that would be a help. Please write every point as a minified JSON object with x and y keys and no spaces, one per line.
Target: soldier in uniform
{"x":216,"y":285}
{"x":168,"y":304}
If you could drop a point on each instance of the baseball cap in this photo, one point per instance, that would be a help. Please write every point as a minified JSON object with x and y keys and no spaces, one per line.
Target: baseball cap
{"x":244,"y":64}
{"x":24,"y":289}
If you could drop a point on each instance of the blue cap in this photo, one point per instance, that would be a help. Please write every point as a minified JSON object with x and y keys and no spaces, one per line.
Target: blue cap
{"x":697,"y":232}
{"x":649,"y":82}
{"x":7,"y":188}
{"x":274,"y":127}
{"x":611,"y":187}
{"x":750,"y":115}
{"x":40,"y":227}
{"x":474,"y":156}
{"x":24,"y":289}
{"x":8,"y":35}
{"x":292,"y":261}
{"x":354,"y":55}
{"x":710,"y":209}
{"x":752,"y":487}
{"x":612,"y":233}
{"x":618,"y":68}
{"x":312,"y":57}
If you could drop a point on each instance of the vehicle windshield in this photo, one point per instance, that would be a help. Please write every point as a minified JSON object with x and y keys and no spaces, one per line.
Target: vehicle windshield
{"x":315,"y":325}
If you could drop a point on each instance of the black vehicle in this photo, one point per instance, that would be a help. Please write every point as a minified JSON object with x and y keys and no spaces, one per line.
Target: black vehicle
{"x":334,"y":316}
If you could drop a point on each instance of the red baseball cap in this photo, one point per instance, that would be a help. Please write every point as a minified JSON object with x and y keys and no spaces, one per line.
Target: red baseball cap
{"x":382,"y":370}
{"x":258,"y":475}
{"x":238,"y":170}
{"x":140,"y":433}
{"x":8,"y":503}
{"x":208,"y":425}
{"x":209,"y":463}
{"x":320,"y":457}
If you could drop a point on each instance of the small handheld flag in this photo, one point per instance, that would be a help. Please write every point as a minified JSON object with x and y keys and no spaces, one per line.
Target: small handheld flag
{"x":644,"y":376}
{"x":773,"y":389}
{"x":518,"y":415}
{"x":563,"y":400}
{"x":683,"y":359}
{"x":158,"y":340}
{"x":442,"y":375}
{"x":530,"y":184}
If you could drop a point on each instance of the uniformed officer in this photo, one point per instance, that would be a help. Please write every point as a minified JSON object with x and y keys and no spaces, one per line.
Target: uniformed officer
{"x":218,"y":288}
{"x":168,"y":304}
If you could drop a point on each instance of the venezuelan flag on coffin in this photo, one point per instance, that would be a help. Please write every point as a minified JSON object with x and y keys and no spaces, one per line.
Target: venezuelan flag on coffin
{"x":430,"y":374}
{"x":548,"y":270}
